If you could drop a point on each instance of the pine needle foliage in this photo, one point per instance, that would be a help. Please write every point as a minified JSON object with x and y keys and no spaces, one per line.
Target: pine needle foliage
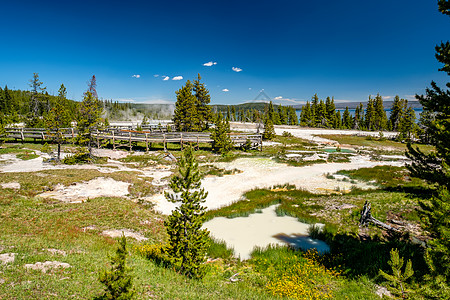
{"x":269,"y":130}
{"x":222,"y":141}
{"x":187,"y":241}
{"x":398,"y":278}
{"x":434,"y":167}
{"x":118,"y":281}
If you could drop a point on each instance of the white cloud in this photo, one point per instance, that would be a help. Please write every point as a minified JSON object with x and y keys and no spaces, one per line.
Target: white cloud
{"x":278,"y":98}
{"x":225,"y":90}
{"x":249,"y":89}
{"x":177,"y":78}
{"x":210,"y":64}
{"x":156,"y":75}
{"x":166,"y":78}
{"x":136,"y":76}
{"x":236,"y":69}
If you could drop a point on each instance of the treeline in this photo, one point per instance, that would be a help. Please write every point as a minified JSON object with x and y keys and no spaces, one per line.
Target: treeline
{"x":319,"y":113}
{"x":280,"y":115}
{"x":28,"y":106}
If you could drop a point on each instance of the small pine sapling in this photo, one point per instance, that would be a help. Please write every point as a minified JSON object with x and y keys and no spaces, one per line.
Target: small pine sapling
{"x":118,"y":281}
{"x":397,"y":279}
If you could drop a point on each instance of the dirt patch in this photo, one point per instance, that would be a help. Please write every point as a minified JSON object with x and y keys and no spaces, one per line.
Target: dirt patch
{"x":98,"y":187}
{"x":114,"y":233}
{"x":48,"y":265}
{"x":112,"y":154}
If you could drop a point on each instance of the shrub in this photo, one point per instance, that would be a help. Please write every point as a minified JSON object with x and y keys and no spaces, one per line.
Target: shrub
{"x":154,"y":252}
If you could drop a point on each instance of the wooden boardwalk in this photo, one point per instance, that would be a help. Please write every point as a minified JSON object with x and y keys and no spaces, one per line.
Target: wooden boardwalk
{"x":117,"y":136}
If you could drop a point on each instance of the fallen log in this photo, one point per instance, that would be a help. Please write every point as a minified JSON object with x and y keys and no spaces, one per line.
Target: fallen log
{"x":366,"y":218}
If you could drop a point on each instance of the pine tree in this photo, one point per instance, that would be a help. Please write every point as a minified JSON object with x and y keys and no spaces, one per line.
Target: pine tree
{"x":407,"y":123}
{"x":57,"y":119}
{"x":269,"y":130}
{"x":347,"y":120}
{"x":370,"y":114}
{"x":222,"y":141}
{"x":321,"y":114}
{"x":337,"y":120}
{"x":292,"y":115}
{"x":396,"y":112}
{"x":358,"y":120}
{"x":305,"y":115}
{"x":331,"y":112}
{"x":380,"y":119}
{"x":35,"y":102}
{"x":88,"y":120}
{"x":118,"y":282}
{"x":314,"y":109}
{"x":434,"y":167}
{"x":233,"y":113}
{"x":187,"y":241}
{"x":186,"y":116}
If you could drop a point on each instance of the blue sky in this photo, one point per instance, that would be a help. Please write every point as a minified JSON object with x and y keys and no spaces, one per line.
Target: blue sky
{"x":292,"y":49}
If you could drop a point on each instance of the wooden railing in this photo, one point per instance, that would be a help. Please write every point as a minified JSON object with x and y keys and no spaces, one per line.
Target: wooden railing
{"x":117,"y":135}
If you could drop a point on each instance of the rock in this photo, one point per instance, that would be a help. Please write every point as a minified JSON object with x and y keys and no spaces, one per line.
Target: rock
{"x":382,"y":291}
{"x":45,"y":266}
{"x":56,"y":251}
{"x":7,"y":257}
{"x":114,"y":233}
{"x":11,"y":185}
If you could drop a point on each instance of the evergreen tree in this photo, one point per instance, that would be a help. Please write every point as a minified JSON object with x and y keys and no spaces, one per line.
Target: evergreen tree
{"x":187,"y":241}
{"x":186,"y":117}
{"x":306,"y":115}
{"x":434,"y":167}
{"x":337,"y":120}
{"x":358,"y":120}
{"x":233,"y":113}
{"x":331,"y":112}
{"x":92,"y":87}
{"x":380,"y":119}
{"x":321,"y":114}
{"x":269,"y":130}
{"x":292,"y":116}
{"x":282,"y":113}
{"x":88,"y":120}
{"x":347,"y":120}
{"x":314,"y":110}
{"x":118,"y":282}
{"x":396,"y":112}
{"x":370,"y":114}
{"x":222,"y":141}
{"x":35,"y":102}
{"x":57,"y":119}
{"x":407,"y":123}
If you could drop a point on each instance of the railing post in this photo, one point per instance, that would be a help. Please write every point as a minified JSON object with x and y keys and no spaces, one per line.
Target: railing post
{"x":129,"y":135}
{"x":113,"y":140}
{"x":146,"y":141}
{"x":164,"y":141}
